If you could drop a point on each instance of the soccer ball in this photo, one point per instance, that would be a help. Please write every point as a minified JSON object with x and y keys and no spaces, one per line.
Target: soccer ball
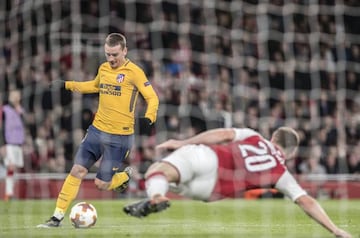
{"x":83,"y":215}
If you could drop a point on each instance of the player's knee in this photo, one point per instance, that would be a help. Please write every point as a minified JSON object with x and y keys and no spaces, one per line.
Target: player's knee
{"x":78,"y":171}
{"x":154,"y":168}
{"x":170,"y":173}
{"x":11,"y":167}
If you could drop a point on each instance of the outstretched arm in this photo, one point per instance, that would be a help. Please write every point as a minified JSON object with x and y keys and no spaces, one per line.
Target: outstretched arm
{"x":313,"y":209}
{"x":210,"y":137}
{"x":83,"y":87}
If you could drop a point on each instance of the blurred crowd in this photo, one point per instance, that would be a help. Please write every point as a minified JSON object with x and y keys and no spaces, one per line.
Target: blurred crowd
{"x":213,"y":64}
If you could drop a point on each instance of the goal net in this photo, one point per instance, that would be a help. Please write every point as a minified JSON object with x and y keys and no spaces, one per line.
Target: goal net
{"x":250,"y":63}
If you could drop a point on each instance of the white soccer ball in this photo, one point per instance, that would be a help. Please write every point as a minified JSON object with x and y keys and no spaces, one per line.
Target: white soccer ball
{"x":83,"y":215}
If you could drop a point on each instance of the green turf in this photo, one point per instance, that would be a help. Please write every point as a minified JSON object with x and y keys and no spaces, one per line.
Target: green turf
{"x":230,"y":218}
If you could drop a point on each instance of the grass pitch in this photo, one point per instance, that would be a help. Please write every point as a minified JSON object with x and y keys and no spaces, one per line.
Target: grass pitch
{"x":227,"y":218}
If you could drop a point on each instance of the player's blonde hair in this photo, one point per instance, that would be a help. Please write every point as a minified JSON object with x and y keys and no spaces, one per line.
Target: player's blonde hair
{"x":115,"y":39}
{"x":287,"y":138}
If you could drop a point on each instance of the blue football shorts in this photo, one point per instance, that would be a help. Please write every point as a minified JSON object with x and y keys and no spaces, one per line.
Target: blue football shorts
{"x":112,"y":149}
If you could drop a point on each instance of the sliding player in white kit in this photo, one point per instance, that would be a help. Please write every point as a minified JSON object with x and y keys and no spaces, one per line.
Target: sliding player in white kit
{"x":224,"y":163}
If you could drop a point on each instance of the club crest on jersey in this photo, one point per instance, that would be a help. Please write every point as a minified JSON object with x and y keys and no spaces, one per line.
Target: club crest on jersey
{"x":120,"y":78}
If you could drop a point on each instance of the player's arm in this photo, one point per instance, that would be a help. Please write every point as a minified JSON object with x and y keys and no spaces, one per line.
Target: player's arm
{"x":210,"y":137}
{"x":313,"y":209}
{"x":91,"y":86}
{"x":288,"y":186}
{"x":149,"y":94}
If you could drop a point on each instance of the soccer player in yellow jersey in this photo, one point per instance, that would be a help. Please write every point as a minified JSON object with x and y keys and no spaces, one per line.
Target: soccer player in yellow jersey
{"x":111,"y":135}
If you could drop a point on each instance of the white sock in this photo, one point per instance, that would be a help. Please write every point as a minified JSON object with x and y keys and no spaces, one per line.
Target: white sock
{"x":59,"y":214}
{"x":156,"y":184}
{"x":9,"y":185}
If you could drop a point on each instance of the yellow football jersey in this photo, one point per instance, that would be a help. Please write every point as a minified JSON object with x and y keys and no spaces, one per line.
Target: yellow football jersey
{"x":118,"y":91}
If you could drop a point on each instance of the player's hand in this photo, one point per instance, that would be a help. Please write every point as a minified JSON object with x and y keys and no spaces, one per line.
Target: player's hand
{"x":145,"y":126}
{"x":342,"y":234}
{"x":57,"y":83}
{"x":169,"y":145}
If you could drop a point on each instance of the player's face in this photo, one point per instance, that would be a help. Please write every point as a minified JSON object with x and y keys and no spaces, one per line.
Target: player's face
{"x":14,"y":97}
{"x":115,"y":55}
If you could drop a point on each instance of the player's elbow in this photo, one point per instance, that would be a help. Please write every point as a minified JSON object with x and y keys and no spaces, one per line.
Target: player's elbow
{"x":226,"y":134}
{"x":152,"y":100}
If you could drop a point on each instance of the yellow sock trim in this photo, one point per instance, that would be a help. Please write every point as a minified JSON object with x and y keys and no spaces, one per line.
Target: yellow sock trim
{"x":118,"y":179}
{"x":67,"y":194}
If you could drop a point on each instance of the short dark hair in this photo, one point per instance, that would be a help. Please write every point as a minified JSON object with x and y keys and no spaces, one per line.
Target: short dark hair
{"x":115,"y":39}
{"x":287,"y":138}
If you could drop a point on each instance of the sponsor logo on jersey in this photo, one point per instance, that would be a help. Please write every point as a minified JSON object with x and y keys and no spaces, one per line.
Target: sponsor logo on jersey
{"x":109,"y":89}
{"x":120,"y":78}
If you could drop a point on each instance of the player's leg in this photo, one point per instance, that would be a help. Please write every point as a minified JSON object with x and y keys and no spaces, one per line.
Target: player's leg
{"x":69,"y":190}
{"x":205,"y":166}
{"x":120,"y":180}
{"x":184,"y":167}
{"x":158,"y":177}
{"x":116,"y":150}
{"x":9,"y":182}
{"x":68,"y":193}
{"x":192,"y":172}
{"x":88,"y":153}
{"x":13,"y":160}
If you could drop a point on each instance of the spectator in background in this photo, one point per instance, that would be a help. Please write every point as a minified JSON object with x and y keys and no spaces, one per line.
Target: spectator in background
{"x":42,"y":148}
{"x":326,"y":106}
{"x":312,"y":164}
{"x":218,"y":117}
{"x":331,"y":160}
{"x":55,"y":157}
{"x":354,"y":159}
{"x":249,"y":57}
{"x":252,"y":115}
{"x":192,"y":115}
{"x":12,"y":138}
{"x":355,"y":53}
